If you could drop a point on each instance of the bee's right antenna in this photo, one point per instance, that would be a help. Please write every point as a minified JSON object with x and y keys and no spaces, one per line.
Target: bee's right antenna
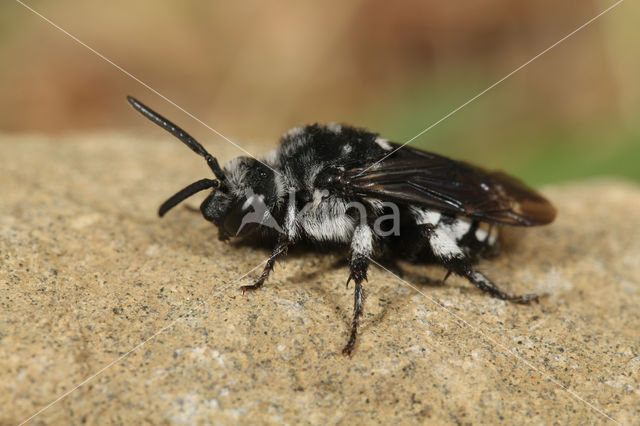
{"x":180,"y":134}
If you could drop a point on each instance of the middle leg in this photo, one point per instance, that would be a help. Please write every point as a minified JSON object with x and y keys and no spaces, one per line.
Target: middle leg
{"x":361,"y":249}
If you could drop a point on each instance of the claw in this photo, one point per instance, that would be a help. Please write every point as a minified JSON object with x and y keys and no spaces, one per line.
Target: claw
{"x":353,"y":277}
{"x":246,"y":288}
{"x":349,"y":346}
{"x":525,"y":298}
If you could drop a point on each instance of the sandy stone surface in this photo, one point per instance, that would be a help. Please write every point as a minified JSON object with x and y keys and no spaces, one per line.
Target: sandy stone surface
{"x":146,"y":313}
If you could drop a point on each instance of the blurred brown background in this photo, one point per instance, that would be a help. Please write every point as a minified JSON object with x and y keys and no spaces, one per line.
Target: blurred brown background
{"x":254,"y":69}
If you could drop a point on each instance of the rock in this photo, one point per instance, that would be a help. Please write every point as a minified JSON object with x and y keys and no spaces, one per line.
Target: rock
{"x":110,"y":314}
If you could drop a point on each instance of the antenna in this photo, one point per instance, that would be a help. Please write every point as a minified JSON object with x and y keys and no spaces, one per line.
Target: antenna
{"x":180,"y":134}
{"x":187,"y":192}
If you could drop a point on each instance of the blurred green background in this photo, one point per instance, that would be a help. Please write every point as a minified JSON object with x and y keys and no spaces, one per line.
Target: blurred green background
{"x":253,"y":69}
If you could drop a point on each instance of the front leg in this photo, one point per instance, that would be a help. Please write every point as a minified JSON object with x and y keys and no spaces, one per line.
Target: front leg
{"x":361,"y":250}
{"x":280,"y":249}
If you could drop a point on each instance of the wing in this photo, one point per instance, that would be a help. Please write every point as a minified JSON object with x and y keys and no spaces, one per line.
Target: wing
{"x":420,"y":178}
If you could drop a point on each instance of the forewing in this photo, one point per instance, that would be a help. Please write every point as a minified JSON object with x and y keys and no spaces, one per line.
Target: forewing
{"x":420,"y":178}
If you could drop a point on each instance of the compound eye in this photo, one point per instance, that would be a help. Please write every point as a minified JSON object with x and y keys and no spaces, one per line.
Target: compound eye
{"x":215,"y":206}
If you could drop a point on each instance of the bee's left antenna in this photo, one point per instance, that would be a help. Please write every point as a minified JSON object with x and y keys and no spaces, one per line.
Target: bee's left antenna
{"x":187,"y":192}
{"x":180,"y":134}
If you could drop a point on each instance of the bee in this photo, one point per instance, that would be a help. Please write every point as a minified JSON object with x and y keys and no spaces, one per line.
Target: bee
{"x":337,"y":184}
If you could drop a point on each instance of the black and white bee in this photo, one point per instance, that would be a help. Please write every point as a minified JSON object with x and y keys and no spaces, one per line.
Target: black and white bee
{"x":445,"y":211}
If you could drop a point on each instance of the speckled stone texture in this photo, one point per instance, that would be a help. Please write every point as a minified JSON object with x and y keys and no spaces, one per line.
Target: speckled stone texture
{"x":89,"y":273}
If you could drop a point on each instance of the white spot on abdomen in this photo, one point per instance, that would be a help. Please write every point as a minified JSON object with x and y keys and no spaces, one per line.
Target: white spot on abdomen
{"x":494,"y":232}
{"x":443,"y":245}
{"x":481,"y":234}
{"x":459,"y":228}
{"x":425,"y":217}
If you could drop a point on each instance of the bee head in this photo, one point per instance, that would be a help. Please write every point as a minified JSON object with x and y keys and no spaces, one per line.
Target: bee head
{"x":244,"y":198}
{"x":245,"y":186}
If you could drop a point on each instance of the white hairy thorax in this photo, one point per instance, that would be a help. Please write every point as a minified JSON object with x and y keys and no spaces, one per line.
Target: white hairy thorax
{"x":326,"y":220}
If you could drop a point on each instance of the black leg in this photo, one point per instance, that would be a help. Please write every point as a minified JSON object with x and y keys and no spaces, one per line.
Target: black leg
{"x":462,"y":267}
{"x":359,"y":266}
{"x":280,"y":249}
{"x":452,"y":256}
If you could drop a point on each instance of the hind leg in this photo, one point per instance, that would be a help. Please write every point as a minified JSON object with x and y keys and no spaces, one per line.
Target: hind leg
{"x":452,"y":256}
